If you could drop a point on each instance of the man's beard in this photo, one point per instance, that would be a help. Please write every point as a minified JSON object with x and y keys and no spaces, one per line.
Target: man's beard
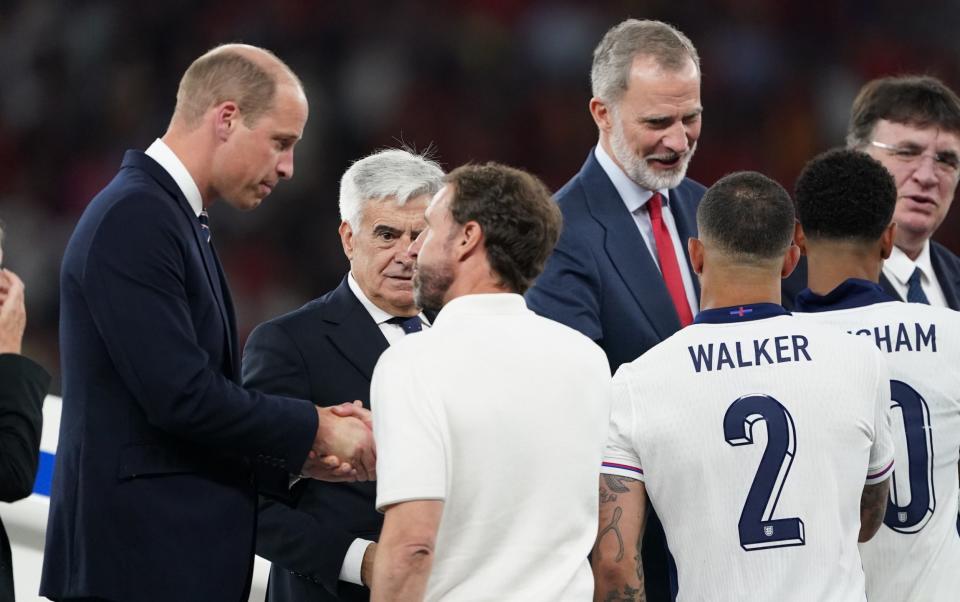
{"x":430,"y":286}
{"x":639,"y":170}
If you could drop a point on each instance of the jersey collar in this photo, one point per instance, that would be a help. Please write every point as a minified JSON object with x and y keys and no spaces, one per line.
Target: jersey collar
{"x":852,"y":292}
{"x":740,"y":313}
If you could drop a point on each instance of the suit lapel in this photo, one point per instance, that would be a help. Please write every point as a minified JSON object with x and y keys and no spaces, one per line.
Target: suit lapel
{"x":949,"y":279}
{"x":888,"y":287}
{"x":356,"y":336}
{"x":627,"y":251}
{"x":210,"y":261}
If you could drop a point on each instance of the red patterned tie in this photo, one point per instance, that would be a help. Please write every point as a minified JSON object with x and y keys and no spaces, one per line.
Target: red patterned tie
{"x":668,"y":260}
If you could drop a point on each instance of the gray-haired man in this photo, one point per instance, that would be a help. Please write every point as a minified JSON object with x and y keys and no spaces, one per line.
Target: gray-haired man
{"x":620,"y":273}
{"x":321,"y":545}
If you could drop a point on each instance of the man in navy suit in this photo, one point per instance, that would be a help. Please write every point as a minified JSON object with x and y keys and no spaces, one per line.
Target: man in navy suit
{"x":620,"y":273}
{"x":23,"y":385}
{"x":911,"y":125}
{"x":321,"y":544}
{"x":161,"y":450}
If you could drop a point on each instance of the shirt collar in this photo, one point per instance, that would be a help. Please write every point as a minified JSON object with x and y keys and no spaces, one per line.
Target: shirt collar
{"x":379,"y":316}
{"x":482,"y":304}
{"x":168,"y":160}
{"x":901,"y":267}
{"x":633,"y":195}
{"x":740,"y":313}
{"x":851,"y":293}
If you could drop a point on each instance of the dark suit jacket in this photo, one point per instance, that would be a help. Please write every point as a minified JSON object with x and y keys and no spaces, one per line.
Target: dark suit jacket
{"x":23,"y":385}
{"x":153,"y":495}
{"x":946,"y":266}
{"x":602,"y":281}
{"x":325,"y":351}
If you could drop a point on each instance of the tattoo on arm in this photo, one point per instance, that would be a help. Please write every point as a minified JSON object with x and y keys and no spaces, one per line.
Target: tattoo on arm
{"x":615,"y":527}
{"x":629,"y":594}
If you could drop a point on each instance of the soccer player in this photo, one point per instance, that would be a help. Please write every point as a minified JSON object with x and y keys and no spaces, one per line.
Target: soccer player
{"x":762,"y":441}
{"x":845,"y":201}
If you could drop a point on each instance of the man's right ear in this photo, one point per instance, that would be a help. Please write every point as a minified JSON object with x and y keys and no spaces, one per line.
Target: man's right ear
{"x":346,"y":239}
{"x":601,"y":114}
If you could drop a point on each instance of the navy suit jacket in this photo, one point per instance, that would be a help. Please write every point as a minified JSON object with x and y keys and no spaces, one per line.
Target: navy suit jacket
{"x":153,"y":495}
{"x":946,"y":266}
{"x":23,"y":385}
{"x":601,"y":278}
{"x":325,"y":351}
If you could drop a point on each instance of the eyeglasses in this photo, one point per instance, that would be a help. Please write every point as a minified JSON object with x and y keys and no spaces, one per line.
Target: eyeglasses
{"x":946,"y":162}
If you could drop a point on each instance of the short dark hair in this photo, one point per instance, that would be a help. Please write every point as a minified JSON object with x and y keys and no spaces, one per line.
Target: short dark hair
{"x":845,"y":195}
{"x":919,"y":100}
{"x":519,"y":220}
{"x":747,"y":215}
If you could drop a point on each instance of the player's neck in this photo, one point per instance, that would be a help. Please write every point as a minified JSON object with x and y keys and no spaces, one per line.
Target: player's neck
{"x":735,"y":287}
{"x":829,"y":265}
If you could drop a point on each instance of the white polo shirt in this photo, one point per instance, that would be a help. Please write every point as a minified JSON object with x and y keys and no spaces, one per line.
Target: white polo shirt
{"x":501,"y":414}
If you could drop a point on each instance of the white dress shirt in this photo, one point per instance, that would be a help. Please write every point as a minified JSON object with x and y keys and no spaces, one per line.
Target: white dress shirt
{"x":898,"y":269}
{"x":635,"y":198}
{"x":168,"y":160}
{"x":353,"y":560}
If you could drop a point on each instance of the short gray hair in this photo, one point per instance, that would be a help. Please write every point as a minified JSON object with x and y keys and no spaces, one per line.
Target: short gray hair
{"x":614,"y":56}
{"x":390,"y":173}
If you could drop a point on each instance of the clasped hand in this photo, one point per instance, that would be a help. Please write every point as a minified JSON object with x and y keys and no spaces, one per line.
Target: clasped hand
{"x":344,"y":449}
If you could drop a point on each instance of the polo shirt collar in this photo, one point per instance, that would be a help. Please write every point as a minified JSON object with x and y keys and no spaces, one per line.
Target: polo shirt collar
{"x":487,"y":304}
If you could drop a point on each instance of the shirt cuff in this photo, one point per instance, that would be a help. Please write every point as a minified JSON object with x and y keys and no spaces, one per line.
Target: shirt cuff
{"x":353,"y":561}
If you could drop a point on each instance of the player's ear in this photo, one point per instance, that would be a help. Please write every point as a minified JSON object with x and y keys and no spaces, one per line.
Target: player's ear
{"x":799,"y":238}
{"x":886,"y":240}
{"x":790,"y":260}
{"x":695,"y":249}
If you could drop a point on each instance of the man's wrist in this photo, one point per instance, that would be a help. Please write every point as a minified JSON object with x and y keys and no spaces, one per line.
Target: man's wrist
{"x":351,"y":570}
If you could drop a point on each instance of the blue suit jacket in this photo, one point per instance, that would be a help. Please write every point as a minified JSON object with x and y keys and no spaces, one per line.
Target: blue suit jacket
{"x":946,"y":266}
{"x":153,"y":495}
{"x":325,"y":351}
{"x":601,"y":278}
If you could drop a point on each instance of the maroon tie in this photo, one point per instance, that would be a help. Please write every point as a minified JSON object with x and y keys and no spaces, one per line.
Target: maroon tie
{"x":668,"y":260}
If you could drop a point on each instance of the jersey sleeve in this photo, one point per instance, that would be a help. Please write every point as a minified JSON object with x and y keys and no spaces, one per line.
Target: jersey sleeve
{"x":881,"y":453}
{"x":408,"y":425}
{"x":620,"y":456}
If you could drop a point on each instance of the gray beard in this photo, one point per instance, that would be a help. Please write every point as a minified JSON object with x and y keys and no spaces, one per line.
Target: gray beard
{"x":637,"y":168}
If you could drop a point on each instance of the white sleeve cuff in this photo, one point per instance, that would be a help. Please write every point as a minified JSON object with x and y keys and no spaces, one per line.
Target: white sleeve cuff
{"x":353,"y":561}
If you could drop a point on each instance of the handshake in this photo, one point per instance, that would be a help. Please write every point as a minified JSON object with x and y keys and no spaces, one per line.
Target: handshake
{"x":343,"y":449}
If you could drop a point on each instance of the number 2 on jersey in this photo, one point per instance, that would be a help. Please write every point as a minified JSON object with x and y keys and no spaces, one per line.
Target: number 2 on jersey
{"x":758,"y":529}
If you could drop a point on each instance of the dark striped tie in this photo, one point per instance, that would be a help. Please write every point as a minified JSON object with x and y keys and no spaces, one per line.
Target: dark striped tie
{"x":410,"y":325}
{"x":205,"y":223}
{"x":915,"y":292}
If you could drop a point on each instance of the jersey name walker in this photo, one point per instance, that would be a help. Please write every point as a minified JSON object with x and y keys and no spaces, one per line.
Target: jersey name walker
{"x":916,"y":554}
{"x":754,"y":434}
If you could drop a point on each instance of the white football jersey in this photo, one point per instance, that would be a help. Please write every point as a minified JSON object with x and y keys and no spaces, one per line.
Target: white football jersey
{"x":916,"y":554}
{"x":754,"y":434}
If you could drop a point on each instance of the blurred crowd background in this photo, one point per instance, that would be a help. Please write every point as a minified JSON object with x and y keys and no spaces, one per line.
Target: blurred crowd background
{"x":471,"y":80}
